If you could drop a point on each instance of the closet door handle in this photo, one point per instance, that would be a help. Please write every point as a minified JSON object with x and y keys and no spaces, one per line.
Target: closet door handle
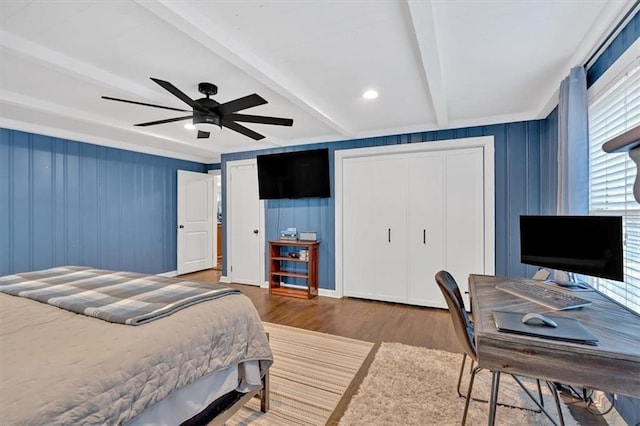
{"x":389,"y":234}
{"x":424,"y":236}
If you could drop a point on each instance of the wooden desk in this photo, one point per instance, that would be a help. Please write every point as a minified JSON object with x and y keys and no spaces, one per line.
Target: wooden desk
{"x":613,"y":365}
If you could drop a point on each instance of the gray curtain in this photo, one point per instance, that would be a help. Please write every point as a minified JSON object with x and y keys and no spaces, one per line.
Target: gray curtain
{"x":573,"y":145}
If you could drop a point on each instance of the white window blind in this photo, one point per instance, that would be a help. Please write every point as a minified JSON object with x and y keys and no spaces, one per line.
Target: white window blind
{"x":611,"y":176}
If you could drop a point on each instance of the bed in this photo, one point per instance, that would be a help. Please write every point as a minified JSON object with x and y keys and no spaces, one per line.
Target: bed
{"x":62,"y":367}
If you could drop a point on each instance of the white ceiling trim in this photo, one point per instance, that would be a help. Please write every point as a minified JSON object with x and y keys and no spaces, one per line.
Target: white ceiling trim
{"x":81,"y":137}
{"x":29,"y":102}
{"x":186,"y":19}
{"x":54,"y":109}
{"x":453,"y":125}
{"x":423,"y":22}
{"x":612,"y":13}
{"x":69,"y":65}
{"x":418,"y":128}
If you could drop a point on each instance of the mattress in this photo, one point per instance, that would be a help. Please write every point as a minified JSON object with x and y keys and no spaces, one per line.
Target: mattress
{"x":58,"y":367}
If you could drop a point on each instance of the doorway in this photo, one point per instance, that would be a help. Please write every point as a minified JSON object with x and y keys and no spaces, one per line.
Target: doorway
{"x":196,"y":238}
{"x":244,"y":216}
{"x":218,"y":207}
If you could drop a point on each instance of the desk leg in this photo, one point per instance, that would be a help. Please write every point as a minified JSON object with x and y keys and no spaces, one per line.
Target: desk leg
{"x":495,"y":384}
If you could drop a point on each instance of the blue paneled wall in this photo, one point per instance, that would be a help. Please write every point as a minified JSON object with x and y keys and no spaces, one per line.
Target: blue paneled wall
{"x":69,"y":203}
{"x":519,"y":148}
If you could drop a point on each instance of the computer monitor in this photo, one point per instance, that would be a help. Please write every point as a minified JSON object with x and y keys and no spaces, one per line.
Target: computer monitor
{"x":588,"y":245}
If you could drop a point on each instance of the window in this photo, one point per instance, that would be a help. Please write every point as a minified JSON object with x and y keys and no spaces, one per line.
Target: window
{"x":613,"y":110}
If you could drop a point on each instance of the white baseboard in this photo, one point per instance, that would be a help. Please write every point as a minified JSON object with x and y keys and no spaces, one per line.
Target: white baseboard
{"x":321,"y":291}
{"x":169,"y":274}
{"x":224,"y":279}
{"x":329,"y":293}
{"x":613,"y":418}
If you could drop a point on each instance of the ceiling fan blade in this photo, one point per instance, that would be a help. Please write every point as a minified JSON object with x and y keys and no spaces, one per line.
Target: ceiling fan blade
{"x":245,"y":102}
{"x":177,"y":93}
{"x":202,"y":135}
{"x":169,"y":120}
{"x":241,"y":129}
{"x":143,"y":103}
{"x":260,"y":119}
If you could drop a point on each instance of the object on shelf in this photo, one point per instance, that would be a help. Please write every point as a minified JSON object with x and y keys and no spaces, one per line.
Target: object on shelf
{"x":289,"y":234}
{"x":304,"y":254}
{"x":308,"y":236}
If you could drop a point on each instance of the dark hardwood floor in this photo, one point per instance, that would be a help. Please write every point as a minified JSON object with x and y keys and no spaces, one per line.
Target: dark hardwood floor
{"x":367,"y":320}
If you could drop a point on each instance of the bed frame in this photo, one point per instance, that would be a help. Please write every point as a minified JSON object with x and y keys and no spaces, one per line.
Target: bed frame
{"x":223,"y":408}
{"x":261,"y":391}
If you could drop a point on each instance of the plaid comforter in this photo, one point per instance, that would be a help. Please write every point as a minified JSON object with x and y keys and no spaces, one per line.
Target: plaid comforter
{"x":120,"y":297}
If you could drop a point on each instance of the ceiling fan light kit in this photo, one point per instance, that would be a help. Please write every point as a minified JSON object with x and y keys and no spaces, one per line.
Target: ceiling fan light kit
{"x":206,"y":123}
{"x":208,"y":115}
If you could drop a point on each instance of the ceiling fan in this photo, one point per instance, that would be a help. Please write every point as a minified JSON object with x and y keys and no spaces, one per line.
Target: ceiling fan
{"x":209,"y":115}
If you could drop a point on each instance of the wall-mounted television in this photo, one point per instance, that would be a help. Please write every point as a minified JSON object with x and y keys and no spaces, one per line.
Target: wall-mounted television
{"x":589,"y":245}
{"x":298,"y":174}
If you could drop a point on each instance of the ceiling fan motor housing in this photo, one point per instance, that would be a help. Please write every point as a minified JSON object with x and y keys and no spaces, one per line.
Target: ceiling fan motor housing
{"x":206,"y":115}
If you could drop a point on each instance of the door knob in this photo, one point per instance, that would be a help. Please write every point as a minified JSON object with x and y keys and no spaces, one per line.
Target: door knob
{"x":181,"y":226}
{"x":255,"y":231}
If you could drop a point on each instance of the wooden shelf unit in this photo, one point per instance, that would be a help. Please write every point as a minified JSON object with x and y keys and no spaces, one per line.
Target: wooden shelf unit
{"x":277,"y":268}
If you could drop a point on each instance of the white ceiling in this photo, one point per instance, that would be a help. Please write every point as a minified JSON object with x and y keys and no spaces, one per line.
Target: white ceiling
{"x":436,"y":64}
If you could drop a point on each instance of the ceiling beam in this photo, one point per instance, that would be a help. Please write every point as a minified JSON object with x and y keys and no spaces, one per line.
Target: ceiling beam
{"x":422,"y":19}
{"x":185,"y":18}
{"x":66,"y":64}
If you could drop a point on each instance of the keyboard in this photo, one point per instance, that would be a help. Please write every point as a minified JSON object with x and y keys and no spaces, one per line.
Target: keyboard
{"x":543,"y":295}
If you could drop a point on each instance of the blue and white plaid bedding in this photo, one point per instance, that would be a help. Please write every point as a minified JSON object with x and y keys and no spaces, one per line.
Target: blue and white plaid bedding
{"x":114,"y":296}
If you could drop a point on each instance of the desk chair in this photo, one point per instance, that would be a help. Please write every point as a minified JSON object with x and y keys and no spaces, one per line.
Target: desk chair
{"x":464,"y":332}
{"x":470,"y":332}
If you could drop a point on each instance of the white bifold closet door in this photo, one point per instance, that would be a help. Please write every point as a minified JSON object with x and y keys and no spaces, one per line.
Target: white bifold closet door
{"x":425,"y":218}
{"x":374,"y":221}
{"x":407,"y":216}
{"x":465,"y":215}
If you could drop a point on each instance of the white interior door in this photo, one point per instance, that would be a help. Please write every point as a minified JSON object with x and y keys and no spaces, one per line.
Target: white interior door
{"x":196,"y":236}
{"x":244,"y":224}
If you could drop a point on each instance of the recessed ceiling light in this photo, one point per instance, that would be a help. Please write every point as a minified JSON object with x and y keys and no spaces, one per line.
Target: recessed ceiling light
{"x":370,"y":94}
{"x":189,"y":126}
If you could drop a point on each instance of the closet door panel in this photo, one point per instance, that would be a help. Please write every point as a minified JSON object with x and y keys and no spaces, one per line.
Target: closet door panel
{"x":390,"y":213}
{"x":425,"y":230}
{"x":359,"y":252}
{"x":464,"y":195}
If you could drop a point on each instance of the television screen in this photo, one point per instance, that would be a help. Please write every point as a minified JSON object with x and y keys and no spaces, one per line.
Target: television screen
{"x":589,"y":245}
{"x":299,"y":174}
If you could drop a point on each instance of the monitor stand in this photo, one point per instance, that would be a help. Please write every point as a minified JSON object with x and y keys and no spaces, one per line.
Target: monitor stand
{"x":573,"y":283}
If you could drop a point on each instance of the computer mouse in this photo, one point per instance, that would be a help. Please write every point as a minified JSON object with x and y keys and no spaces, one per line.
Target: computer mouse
{"x":535,"y":318}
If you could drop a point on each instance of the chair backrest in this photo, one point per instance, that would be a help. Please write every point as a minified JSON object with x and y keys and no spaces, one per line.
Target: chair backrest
{"x":461,"y":323}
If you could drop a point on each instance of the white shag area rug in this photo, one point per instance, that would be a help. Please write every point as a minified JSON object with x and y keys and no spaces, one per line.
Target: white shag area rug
{"x":408,"y":385}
